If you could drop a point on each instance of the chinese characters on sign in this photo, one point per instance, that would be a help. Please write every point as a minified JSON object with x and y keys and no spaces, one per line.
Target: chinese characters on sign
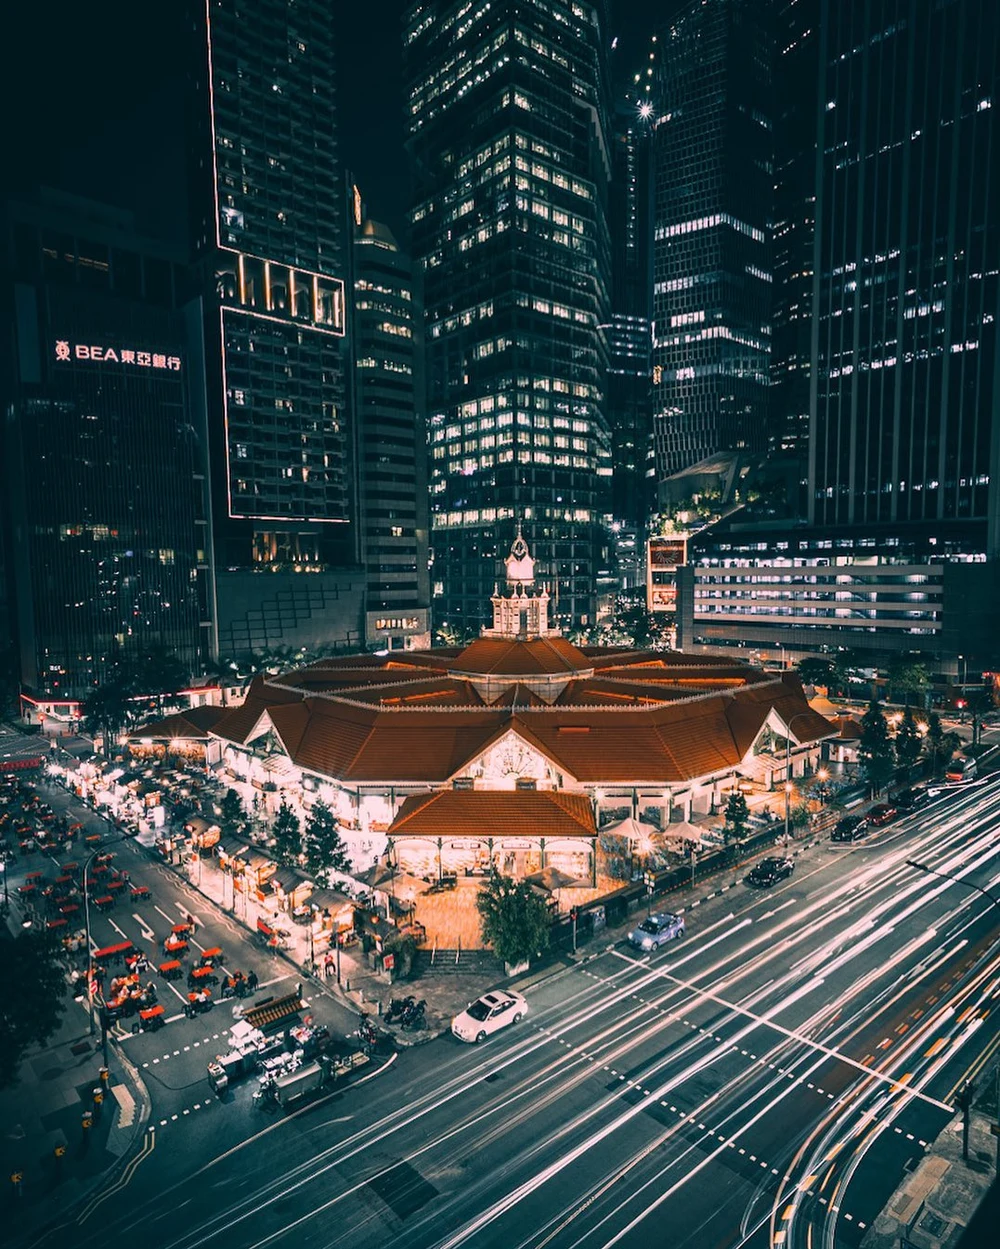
{"x":116,"y":355}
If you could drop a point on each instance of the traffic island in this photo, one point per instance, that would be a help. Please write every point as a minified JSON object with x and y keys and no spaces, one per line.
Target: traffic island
{"x":935,"y":1203}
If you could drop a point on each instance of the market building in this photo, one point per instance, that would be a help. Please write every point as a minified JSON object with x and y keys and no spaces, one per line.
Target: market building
{"x":512,"y":753}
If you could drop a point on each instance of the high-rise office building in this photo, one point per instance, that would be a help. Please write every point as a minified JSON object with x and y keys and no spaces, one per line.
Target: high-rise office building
{"x":906,"y":416}
{"x":712,"y":281}
{"x":796,"y":82}
{"x":103,"y":474}
{"x":392,"y":463}
{"x":507,"y":126}
{"x":629,"y":402}
{"x":269,"y":222}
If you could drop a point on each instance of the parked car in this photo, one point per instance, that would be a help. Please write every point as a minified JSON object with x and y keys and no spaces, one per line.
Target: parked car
{"x":851,"y":828}
{"x":882,"y":813}
{"x":911,"y":799}
{"x":961,"y":769}
{"x":489,"y":1014}
{"x":656,"y":929}
{"x":770,"y":871}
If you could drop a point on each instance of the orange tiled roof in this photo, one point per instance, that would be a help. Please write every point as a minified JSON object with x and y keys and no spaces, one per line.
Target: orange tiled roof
{"x":646,"y":718}
{"x":504,"y":657}
{"x":193,"y":724}
{"x":493,"y":814}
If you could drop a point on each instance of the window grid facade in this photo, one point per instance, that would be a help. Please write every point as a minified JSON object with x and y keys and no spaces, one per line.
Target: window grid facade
{"x":508,"y":128}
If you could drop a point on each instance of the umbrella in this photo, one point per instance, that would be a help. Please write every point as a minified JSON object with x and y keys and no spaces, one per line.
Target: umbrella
{"x":551,"y":878}
{"x":683,"y":832}
{"x":376,"y":875}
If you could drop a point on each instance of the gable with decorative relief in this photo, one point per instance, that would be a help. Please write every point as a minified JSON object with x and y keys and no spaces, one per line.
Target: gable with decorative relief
{"x":509,"y":760}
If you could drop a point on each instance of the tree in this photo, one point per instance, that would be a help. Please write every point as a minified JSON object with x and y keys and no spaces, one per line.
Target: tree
{"x":158,"y":672}
{"x":513,"y":918}
{"x":907,"y":743}
{"x":940,"y":745}
{"x":737,"y":816}
{"x":846,"y":664}
{"x":981,"y":703}
{"x":31,"y":1006}
{"x":908,"y":676}
{"x":108,"y":710}
{"x":287,"y":833}
{"x":875,"y":748}
{"x":234,"y":817}
{"x":815,"y":671}
{"x":324,"y":847}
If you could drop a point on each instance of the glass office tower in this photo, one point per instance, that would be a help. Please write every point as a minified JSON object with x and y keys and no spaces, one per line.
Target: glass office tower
{"x":712,"y":144}
{"x":906,"y":415}
{"x":104,"y":498}
{"x":269,"y":223}
{"x":629,"y":404}
{"x":392,"y":463}
{"x":507,"y":125}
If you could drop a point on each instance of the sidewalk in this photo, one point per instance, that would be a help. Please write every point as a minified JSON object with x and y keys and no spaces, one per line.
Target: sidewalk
{"x":44,"y":1111}
{"x":935,"y":1204}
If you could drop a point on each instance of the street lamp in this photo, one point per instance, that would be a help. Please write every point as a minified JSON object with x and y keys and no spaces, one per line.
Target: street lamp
{"x":799,"y":715}
{"x":958,"y":880}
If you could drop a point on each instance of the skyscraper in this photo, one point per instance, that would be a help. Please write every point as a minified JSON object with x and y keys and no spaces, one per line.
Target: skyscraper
{"x":906,"y":416}
{"x":796,"y":82}
{"x":507,"y":125}
{"x":392,"y":476}
{"x":712,"y":281}
{"x":102,"y":472}
{"x":629,"y":404}
{"x":269,"y":221}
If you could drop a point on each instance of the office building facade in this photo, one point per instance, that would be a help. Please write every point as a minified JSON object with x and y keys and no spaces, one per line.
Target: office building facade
{"x":713,"y":191}
{"x":392,"y":464}
{"x":906,"y":415}
{"x":269,"y":224}
{"x":105,"y":503}
{"x":508,"y":133}
{"x":629,"y":328}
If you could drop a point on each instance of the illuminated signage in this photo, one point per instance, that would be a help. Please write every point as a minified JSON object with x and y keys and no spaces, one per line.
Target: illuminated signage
{"x":100,"y":353}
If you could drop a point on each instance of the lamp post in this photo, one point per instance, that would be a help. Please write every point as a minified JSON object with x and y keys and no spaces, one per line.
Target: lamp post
{"x":958,"y":880}
{"x":90,"y":979}
{"x":799,"y":715}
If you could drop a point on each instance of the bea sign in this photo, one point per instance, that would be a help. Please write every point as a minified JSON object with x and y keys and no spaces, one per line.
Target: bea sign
{"x":66,"y":351}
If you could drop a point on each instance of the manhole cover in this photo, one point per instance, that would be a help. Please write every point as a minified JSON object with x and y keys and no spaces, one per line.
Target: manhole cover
{"x":931,"y":1223}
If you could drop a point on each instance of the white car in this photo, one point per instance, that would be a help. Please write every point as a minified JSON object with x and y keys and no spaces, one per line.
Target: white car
{"x":489,"y":1014}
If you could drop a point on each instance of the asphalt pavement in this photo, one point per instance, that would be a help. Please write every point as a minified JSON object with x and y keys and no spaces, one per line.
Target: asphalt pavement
{"x":768,"y":1080}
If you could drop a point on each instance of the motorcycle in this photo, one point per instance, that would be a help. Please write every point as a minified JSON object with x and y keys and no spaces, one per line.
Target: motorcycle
{"x":413,"y":1016}
{"x":367,"y":1034}
{"x":398,"y":1006}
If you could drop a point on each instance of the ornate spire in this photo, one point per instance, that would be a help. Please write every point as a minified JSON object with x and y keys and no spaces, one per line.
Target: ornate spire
{"x":521,"y":613}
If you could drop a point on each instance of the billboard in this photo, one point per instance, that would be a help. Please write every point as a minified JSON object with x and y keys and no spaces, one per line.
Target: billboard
{"x":663,"y":557}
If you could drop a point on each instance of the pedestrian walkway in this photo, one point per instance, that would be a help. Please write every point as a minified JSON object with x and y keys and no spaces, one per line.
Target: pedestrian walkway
{"x":49,"y":1158}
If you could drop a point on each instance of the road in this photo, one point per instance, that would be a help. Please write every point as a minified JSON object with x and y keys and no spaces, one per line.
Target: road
{"x":765,"y":1081}
{"x":191,"y":1122}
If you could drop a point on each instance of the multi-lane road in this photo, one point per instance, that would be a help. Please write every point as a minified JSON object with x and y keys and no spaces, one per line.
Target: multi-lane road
{"x":765,"y":1081}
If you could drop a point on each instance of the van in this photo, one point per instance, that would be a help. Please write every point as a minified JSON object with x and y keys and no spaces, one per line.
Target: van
{"x":961,"y":769}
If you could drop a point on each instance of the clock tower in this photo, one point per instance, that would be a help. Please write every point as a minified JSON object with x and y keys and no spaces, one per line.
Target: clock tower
{"x":523,"y":613}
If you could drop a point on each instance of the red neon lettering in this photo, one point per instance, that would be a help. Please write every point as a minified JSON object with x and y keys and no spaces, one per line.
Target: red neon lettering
{"x":82,"y":352}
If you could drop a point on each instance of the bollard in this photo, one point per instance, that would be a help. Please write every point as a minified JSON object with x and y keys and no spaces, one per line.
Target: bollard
{"x":98,"y":1097}
{"x":15,"y":1178}
{"x":378,"y":1009}
{"x":105,"y":1075}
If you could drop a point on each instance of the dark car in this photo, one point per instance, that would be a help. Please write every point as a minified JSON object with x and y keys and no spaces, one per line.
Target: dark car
{"x":850,"y":828}
{"x":884,"y":813}
{"x":770,"y":871}
{"x":911,"y":799}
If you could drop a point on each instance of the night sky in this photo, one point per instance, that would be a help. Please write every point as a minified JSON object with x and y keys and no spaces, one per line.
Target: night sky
{"x":96,"y":101}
